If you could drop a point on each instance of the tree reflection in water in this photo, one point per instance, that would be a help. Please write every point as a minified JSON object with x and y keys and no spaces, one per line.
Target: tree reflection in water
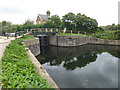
{"x":74,"y":57}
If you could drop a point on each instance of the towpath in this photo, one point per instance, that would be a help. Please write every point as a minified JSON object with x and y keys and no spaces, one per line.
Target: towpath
{"x":3,"y":43}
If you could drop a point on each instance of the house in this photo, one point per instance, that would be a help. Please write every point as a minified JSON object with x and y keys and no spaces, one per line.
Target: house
{"x":43,"y":18}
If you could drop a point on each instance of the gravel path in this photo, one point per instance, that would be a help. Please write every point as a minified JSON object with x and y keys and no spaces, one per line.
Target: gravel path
{"x":3,"y":43}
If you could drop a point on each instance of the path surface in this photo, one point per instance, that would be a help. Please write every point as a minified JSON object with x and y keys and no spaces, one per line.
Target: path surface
{"x":3,"y":43}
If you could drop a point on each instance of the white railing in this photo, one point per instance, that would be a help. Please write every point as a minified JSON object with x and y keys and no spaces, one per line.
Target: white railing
{"x":42,"y":30}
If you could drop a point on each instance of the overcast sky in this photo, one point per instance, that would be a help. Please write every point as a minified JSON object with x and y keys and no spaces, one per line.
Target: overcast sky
{"x":17,"y":11}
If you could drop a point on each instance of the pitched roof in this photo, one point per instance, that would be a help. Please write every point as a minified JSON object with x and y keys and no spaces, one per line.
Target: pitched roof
{"x":54,"y":15}
{"x":43,"y":17}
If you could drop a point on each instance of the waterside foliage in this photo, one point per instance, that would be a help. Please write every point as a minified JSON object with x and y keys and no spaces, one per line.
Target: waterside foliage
{"x":112,"y":35}
{"x":17,"y":69}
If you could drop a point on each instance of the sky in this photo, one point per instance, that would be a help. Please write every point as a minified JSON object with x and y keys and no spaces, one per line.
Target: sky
{"x":17,"y":11}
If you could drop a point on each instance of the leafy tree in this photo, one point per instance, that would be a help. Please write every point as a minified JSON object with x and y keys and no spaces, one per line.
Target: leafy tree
{"x":118,"y":26}
{"x":56,"y":21}
{"x":79,"y":22}
{"x":111,"y":27}
{"x":117,"y":35}
{"x":28,"y":22}
{"x":5,"y":26}
{"x":85,"y":23}
{"x":5,"y":23}
{"x":14,"y":28}
{"x":49,"y":25}
{"x":69,"y":21}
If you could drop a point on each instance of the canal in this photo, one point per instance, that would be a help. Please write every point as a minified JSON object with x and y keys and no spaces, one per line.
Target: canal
{"x":87,"y":66}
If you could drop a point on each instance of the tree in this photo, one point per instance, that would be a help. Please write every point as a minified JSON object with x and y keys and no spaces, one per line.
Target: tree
{"x":5,"y":23}
{"x":111,"y":27}
{"x":79,"y":22}
{"x":14,"y":28}
{"x":5,"y":26}
{"x":28,"y":22}
{"x":85,"y":23}
{"x":56,"y":21}
{"x":69,"y":21}
{"x":49,"y":25}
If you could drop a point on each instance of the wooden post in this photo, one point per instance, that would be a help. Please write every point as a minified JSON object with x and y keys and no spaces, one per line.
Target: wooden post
{"x":31,"y":30}
{"x":71,"y":31}
{"x":34,"y":30}
{"x":46,"y":30}
{"x":40,"y":29}
{"x":51,"y":30}
{"x":27,"y":30}
{"x":56,"y":29}
{"x":64,"y":30}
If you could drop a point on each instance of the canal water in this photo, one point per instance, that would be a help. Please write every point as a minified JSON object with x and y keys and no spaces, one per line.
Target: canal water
{"x":87,"y":66}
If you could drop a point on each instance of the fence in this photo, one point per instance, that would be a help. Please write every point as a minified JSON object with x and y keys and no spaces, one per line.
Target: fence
{"x":42,"y":30}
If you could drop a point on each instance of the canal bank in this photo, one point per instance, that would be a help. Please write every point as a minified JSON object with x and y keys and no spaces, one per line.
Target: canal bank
{"x":17,"y":69}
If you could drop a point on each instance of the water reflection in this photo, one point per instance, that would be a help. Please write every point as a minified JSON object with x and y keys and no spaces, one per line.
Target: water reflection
{"x":74,"y":57}
{"x":88,"y":66}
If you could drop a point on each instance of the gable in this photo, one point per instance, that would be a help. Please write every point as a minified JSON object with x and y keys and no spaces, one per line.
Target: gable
{"x":43,"y":17}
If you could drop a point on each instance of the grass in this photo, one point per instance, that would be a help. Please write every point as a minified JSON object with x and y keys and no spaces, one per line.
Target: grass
{"x":71,"y":34}
{"x":17,"y":69}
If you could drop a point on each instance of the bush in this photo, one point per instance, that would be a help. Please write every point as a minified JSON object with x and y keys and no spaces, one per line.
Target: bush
{"x":113,"y":35}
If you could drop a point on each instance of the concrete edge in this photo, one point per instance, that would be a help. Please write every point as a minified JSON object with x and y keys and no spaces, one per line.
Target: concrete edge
{"x":41,"y":70}
{"x":116,"y":42}
{"x":31,"y":39}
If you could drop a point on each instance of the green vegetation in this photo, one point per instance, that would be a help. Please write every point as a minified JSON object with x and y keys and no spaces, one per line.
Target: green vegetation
{"x":111,"y":32}
{"x":70,"y":21}
{"x":55,"y":21}
{"x":79,"y":22}
{"x":71,"y":34}
{"x":28,"y":22}
{"x":17,"y":69}
{"x":111,"y":27}
{"x":113,"y":35}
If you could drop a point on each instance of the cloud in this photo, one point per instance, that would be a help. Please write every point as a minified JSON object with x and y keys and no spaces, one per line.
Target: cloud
{"x":104,"y":11}
{"x":10,"y":10}
{"x":119,"y":12}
